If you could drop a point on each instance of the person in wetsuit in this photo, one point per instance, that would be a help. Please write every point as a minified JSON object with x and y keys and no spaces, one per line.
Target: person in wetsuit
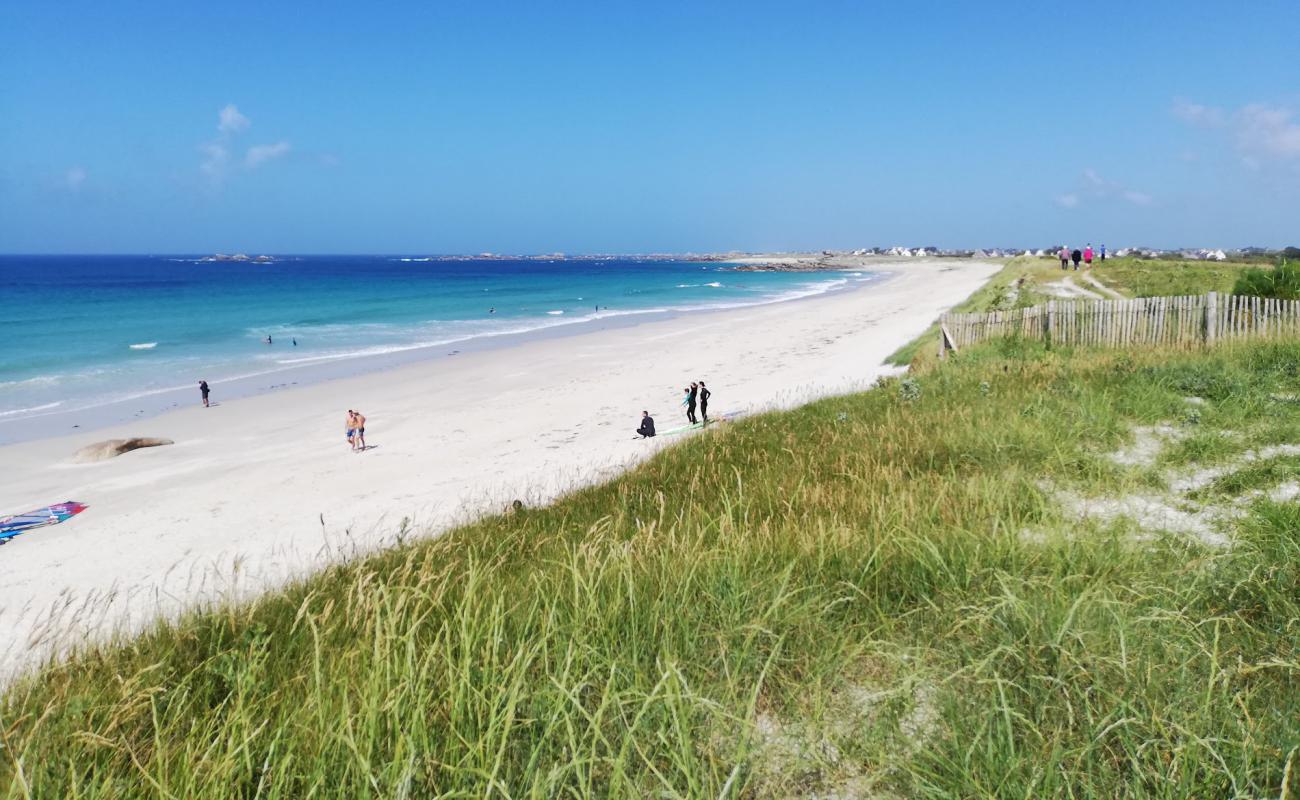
{"x":688,"y":400}
{"x":647,"y":428}
{"x":704,"y":403}
{"x":203,"y":390}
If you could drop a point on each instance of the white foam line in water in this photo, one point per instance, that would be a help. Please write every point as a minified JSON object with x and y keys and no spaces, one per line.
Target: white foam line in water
{"x":45,"y":407}
{"x":144,"y":346}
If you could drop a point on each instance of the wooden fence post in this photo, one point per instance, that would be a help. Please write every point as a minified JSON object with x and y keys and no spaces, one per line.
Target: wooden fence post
{"x":946,"y":341}
{"x":1211,"y":304}
{"x":1049,"y":323}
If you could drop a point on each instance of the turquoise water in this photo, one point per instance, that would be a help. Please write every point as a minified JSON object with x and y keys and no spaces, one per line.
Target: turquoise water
{"x":80,"y":332}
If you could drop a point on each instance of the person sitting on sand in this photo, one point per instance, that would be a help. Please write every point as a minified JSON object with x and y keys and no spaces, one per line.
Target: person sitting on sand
{"x":360,"y":419}
{"x":350,"y":425}
{"x":647,"y":428}
{"x":203,"y":390}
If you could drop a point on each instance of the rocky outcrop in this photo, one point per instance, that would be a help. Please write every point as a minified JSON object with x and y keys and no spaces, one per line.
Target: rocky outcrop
{"x":102,"y":451}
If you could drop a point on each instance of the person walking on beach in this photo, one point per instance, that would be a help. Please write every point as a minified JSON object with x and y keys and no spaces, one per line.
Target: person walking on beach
{"x":203,"y":390}
{"x":1065,"y":257}
{"x":688,"y":400}
{"x":1087,"y":255}
{"x":1075,"y":256}
{"x":705,"y":394}
{"x":350,"y":425}
{"x":361,"y":429}
{"x":647,"y":428}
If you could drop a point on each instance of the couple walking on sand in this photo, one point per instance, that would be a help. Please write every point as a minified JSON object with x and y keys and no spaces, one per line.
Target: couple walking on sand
{"x":696,"y":392}
{"x":356,"y":428}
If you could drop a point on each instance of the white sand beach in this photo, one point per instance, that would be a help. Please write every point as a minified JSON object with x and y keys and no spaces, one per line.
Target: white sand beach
{"x":258,"y":490}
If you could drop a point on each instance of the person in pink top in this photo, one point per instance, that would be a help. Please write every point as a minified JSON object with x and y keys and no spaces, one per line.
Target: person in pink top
{"x":1065,"y":257}
{"x":1087,"y":255}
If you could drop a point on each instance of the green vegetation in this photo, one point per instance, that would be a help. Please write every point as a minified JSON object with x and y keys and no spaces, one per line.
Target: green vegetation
{"x":875,"y":595}
{"x":1281,"y":282}
{"x":1136,"y":277}
{"x":1026,"y":281}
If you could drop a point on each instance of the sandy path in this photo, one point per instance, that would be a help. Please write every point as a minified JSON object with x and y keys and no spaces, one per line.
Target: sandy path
{"x":237,"y":504}
{"x":1101,"y":287}
{"x":1069,"y":290}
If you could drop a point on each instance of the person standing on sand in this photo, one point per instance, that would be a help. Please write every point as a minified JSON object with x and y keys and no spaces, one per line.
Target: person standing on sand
{"x":360,"y":419}
{"x":705,"y":394}
{"x":1065,"y":257}
{"x":1075,"y":256}
{"x":1087,"y":255}
{"x":203,"y":390}
{"x":647,"y":428}
{"x":350,"y":425}
{"x":688,"y":400}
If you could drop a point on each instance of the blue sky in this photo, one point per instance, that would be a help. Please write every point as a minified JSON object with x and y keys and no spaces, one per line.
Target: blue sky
{"x":446,"y":127}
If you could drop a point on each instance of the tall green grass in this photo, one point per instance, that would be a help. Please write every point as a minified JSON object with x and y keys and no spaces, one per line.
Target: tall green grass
{"x":839,"y":600}
{"x":1137,"y":277}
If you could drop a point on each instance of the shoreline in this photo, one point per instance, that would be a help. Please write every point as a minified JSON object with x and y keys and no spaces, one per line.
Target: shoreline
{"x":259,"y":491}
{"x":148,"y":405}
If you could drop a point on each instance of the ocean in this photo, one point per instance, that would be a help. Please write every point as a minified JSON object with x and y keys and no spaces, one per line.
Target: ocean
{"x":79,"y":332}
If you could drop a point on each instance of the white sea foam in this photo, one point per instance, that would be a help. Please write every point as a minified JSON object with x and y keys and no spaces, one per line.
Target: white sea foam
{"x":555,"y":313}
{"x":39,"y":380}
{"x":715,"y":285}
{"x":144,"y":346}
{"x":31,"y":410}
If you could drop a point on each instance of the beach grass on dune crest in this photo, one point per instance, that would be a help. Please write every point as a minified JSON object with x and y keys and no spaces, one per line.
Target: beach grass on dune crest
{"x":877,"y":595}
{"x":1026,"y":281}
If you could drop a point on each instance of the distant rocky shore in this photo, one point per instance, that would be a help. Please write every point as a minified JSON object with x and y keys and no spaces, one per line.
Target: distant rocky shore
{"x":241,"y":257}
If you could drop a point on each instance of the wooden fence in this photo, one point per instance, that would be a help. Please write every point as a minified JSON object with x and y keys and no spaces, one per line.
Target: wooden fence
{"x":1170,"y":321}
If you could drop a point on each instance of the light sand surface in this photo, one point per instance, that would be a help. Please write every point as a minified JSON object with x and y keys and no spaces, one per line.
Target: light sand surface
{"x":260,"y":490}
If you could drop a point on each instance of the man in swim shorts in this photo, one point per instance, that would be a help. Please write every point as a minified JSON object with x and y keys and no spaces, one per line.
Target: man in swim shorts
{"x":350,"y":425}
{"x":360,"y":420}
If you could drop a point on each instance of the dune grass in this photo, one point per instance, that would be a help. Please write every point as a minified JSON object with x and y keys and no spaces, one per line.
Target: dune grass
{"x":870,"y":596}
{"x":1136,"y":277}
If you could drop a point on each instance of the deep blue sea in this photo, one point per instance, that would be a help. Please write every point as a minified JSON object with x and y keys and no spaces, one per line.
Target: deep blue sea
{"x":82,"y":331}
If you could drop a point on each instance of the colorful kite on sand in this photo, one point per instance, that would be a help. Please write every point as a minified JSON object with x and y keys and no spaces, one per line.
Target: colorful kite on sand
{"x":50,"y":515}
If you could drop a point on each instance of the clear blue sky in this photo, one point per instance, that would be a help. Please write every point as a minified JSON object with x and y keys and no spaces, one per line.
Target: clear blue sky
{"x":448,"y":127}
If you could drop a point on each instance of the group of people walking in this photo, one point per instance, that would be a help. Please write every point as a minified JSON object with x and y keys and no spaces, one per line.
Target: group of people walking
{"x":694,"y":396}
{"x":1076,"y":255}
